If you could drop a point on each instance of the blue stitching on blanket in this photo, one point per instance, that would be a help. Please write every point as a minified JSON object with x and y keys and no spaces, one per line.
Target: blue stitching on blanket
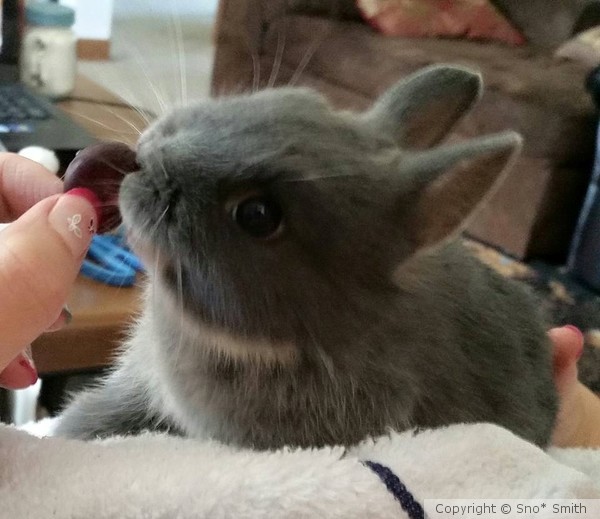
{"x":396,"y":487}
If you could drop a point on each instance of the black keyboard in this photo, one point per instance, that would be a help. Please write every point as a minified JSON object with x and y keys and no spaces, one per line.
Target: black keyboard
{"x":16,"y":104}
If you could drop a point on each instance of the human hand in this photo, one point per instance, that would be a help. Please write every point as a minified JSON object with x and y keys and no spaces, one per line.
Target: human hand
{"x":40,"y":256}
{"x":578,"y":420}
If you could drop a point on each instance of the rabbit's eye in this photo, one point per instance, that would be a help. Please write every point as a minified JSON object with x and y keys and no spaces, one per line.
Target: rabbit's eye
{"x":259,"y":216}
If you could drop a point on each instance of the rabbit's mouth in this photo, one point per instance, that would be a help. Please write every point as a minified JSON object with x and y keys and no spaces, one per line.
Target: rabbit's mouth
{"x":146,"y":205}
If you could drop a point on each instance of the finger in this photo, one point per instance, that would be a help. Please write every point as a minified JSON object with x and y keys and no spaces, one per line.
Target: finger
{"x":568,"y":347}
{"x":568,"y":344}
{"x":23,"y":183}
{"x":63,"y":319}
{"x":20,"y":373}
{"x":40,"y":256}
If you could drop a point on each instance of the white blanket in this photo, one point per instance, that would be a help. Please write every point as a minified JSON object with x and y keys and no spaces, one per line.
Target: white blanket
{"x":156,"y":476}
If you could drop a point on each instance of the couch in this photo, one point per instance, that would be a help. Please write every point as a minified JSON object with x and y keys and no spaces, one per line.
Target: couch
{"x":326,"y":45}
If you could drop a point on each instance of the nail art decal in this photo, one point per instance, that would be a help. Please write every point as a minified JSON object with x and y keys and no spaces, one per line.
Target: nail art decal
{"x":74,"y":222}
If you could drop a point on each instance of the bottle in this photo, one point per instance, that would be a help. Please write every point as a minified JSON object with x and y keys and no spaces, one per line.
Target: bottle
{"x":49,"y":49}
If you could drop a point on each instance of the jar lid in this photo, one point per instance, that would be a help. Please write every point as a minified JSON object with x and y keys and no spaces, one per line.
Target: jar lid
{"x":49,"y":14}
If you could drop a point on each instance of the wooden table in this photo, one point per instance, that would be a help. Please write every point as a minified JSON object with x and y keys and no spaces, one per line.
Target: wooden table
{"x":100,"y":313}
{"x":103,"y":114}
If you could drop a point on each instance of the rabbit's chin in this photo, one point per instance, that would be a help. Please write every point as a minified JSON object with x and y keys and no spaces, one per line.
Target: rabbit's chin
{"x":143,"y":249}
{"x":217,"y":343}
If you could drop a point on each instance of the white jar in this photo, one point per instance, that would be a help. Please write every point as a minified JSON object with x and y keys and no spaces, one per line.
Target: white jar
{"x":49,"y":49}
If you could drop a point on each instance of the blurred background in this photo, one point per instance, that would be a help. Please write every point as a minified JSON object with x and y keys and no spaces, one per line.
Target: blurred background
{"x":149,"y":41}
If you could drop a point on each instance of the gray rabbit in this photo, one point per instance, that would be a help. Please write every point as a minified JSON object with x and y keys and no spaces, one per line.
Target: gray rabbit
{"x":304,"y":284}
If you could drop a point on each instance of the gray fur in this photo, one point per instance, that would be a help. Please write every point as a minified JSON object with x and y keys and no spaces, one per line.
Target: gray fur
{"x":360,"y":315}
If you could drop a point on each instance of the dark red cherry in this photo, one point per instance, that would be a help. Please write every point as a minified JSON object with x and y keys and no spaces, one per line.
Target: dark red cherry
{"x":101,"y":169}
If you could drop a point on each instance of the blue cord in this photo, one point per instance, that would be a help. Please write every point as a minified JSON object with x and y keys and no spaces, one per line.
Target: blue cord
{"x":398,"y":489}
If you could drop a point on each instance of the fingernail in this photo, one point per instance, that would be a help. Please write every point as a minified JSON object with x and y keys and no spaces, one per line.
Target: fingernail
{"x":75,"y":217}
{"x":91,"y":197}
{"x":581,"y":341}
{"x":574,"y":329}
{"x":27,"y":354}
{"x":66,"y":313}
{"x":63,"y":320}
{"x":26,"y":363}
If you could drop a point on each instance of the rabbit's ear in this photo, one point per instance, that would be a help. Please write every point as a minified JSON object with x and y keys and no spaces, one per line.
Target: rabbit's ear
{"x":419,"y":111}
{"x":443,"y":187}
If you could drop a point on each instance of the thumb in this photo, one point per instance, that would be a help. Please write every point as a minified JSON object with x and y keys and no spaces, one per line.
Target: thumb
{"x":40,"y":256}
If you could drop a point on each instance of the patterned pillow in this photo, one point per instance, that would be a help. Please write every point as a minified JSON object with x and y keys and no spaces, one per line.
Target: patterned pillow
{"x":474,"y":19}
